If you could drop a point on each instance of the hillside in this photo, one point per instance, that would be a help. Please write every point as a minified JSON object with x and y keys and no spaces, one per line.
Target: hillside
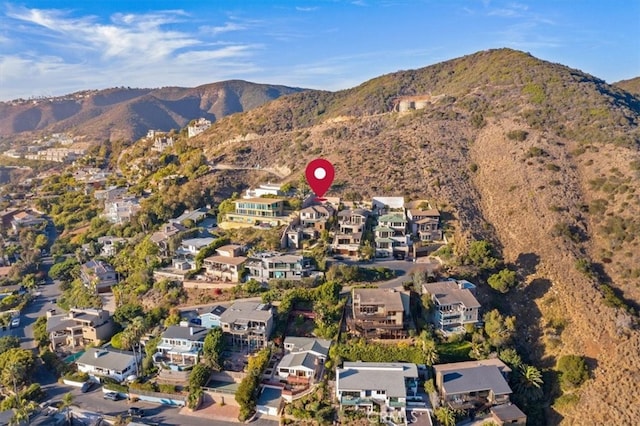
{"x":632,"y":85}
{"x":537,"y":157}
{"x":125,"y":113}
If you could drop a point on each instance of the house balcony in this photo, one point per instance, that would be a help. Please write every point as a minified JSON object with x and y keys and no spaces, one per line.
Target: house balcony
{"x":356,"y":401}
{"x":395,"y":403}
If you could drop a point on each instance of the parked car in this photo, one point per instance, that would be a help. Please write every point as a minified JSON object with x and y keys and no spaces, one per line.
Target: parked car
{"x":15,"y":322}
{"x":136,"y":412}
{"x":87,"y":386}
{"x":113,"y":396}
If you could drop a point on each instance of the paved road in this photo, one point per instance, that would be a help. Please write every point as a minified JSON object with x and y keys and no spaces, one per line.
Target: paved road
{"x":37,"y":308}
{"x":94,"y":402}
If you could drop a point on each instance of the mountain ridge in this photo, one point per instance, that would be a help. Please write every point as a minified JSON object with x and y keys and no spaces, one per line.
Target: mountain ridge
{"x":124,"y":113}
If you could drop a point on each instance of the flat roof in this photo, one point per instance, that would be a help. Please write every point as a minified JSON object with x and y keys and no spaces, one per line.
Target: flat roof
{"x":507,"y":412}
{"x":260,"y":200}
{"x":178,"y":332}
{"x":390,"y":298}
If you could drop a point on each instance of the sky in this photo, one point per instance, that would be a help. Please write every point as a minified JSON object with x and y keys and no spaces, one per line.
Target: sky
{"x":54,"y":47}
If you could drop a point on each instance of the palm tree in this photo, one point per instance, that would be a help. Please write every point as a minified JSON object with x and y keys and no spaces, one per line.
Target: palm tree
{"x":67,"y":400}
{"x":429,"y":348}
{"x":446,"y":416}
{"x":23,"y":412}
{"x":529,"y":382}
{"x":131,"y":336}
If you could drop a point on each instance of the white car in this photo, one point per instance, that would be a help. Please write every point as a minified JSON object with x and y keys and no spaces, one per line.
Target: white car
{"x":15,"y":322}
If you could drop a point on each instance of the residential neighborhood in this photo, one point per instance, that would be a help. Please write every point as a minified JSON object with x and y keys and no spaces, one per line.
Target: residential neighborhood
{"x":255,"y":307}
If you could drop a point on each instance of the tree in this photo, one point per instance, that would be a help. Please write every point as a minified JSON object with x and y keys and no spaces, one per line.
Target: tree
{"x":503,"y":280}
{"x":40,"y":332}
{"x":41,"y":241}
{"x":16,"y":365}
{"x":573,"y":369}
{"x":8,"y":342}
{"x":429,"y":348}
{"x":510,"y":357}
{"x":481,"y":254}
{"x":367,"y":251}
{"x":23,"y":412}
{"x":528,"y":382}
{"x":213,"y":347}
{"x":445,"y":415}
{"x":127,"y":312}
{"x":499,"y":329}
{"x":67,"y":400}
{"x":199,"y":376}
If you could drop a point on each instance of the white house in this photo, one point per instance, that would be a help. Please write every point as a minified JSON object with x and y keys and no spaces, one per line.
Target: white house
{"x":100,"y":362}
{"x":455,"y":304}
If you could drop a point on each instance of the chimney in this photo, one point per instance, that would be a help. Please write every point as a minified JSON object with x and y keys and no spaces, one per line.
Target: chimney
{"x":191,"y":331}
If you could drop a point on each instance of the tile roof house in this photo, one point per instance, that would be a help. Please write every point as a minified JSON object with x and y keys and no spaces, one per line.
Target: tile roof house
{"x":79,"y":327}
{"x":99,"y":362}
{"x":369,"y":385}
{"x":304,"y":359}
{"x":378,"y":312}
{"x":247,"y":324}
{"x":98,"y":276}
{"x":455,"y":304}
{"x":471,"y":384}
{"x":181,"y":345}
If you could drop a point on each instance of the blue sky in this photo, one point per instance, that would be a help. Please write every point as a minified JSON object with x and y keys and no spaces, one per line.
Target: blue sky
{"x":55,"y":47}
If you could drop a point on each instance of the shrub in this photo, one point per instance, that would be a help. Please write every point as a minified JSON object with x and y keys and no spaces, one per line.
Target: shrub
{"x":534,"y":151}
{"x":517,"y":135}
{"x":503,"y":280}
{"x":77,"y":376}
{"x":573,"y":369}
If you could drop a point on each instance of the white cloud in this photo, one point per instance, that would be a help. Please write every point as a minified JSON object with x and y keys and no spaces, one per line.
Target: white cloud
{"x":62,"y":53}
{"x":306,"y":9}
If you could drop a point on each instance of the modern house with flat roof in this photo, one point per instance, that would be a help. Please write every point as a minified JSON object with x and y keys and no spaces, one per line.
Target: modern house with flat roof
{"x":269,"y":265}
{"x":99,"y":362}
{"x":365,"y":385}
{"x":247,"y":325}
{"x":378,"y":312}
{"x":454,"y":304}
{"x":473,"y":384}
{"x":258,"y":211}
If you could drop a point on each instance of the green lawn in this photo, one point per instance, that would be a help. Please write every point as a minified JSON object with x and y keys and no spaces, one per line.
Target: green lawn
{"x":454,"y":352}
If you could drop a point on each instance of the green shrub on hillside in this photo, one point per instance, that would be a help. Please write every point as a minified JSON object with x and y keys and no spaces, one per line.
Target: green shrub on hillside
{"x":573,"y":369}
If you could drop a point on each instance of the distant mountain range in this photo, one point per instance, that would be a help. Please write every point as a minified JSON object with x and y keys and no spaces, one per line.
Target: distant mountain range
{"x":125,"y":113}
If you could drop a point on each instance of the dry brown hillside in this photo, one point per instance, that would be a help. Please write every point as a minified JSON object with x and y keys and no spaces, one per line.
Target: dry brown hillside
{"x":632,"y":85}
{"x":127,"y":114}
{"x":541,"y":159}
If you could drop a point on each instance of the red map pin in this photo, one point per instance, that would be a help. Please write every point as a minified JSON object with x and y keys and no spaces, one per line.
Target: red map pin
{"x":319,"y":174}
